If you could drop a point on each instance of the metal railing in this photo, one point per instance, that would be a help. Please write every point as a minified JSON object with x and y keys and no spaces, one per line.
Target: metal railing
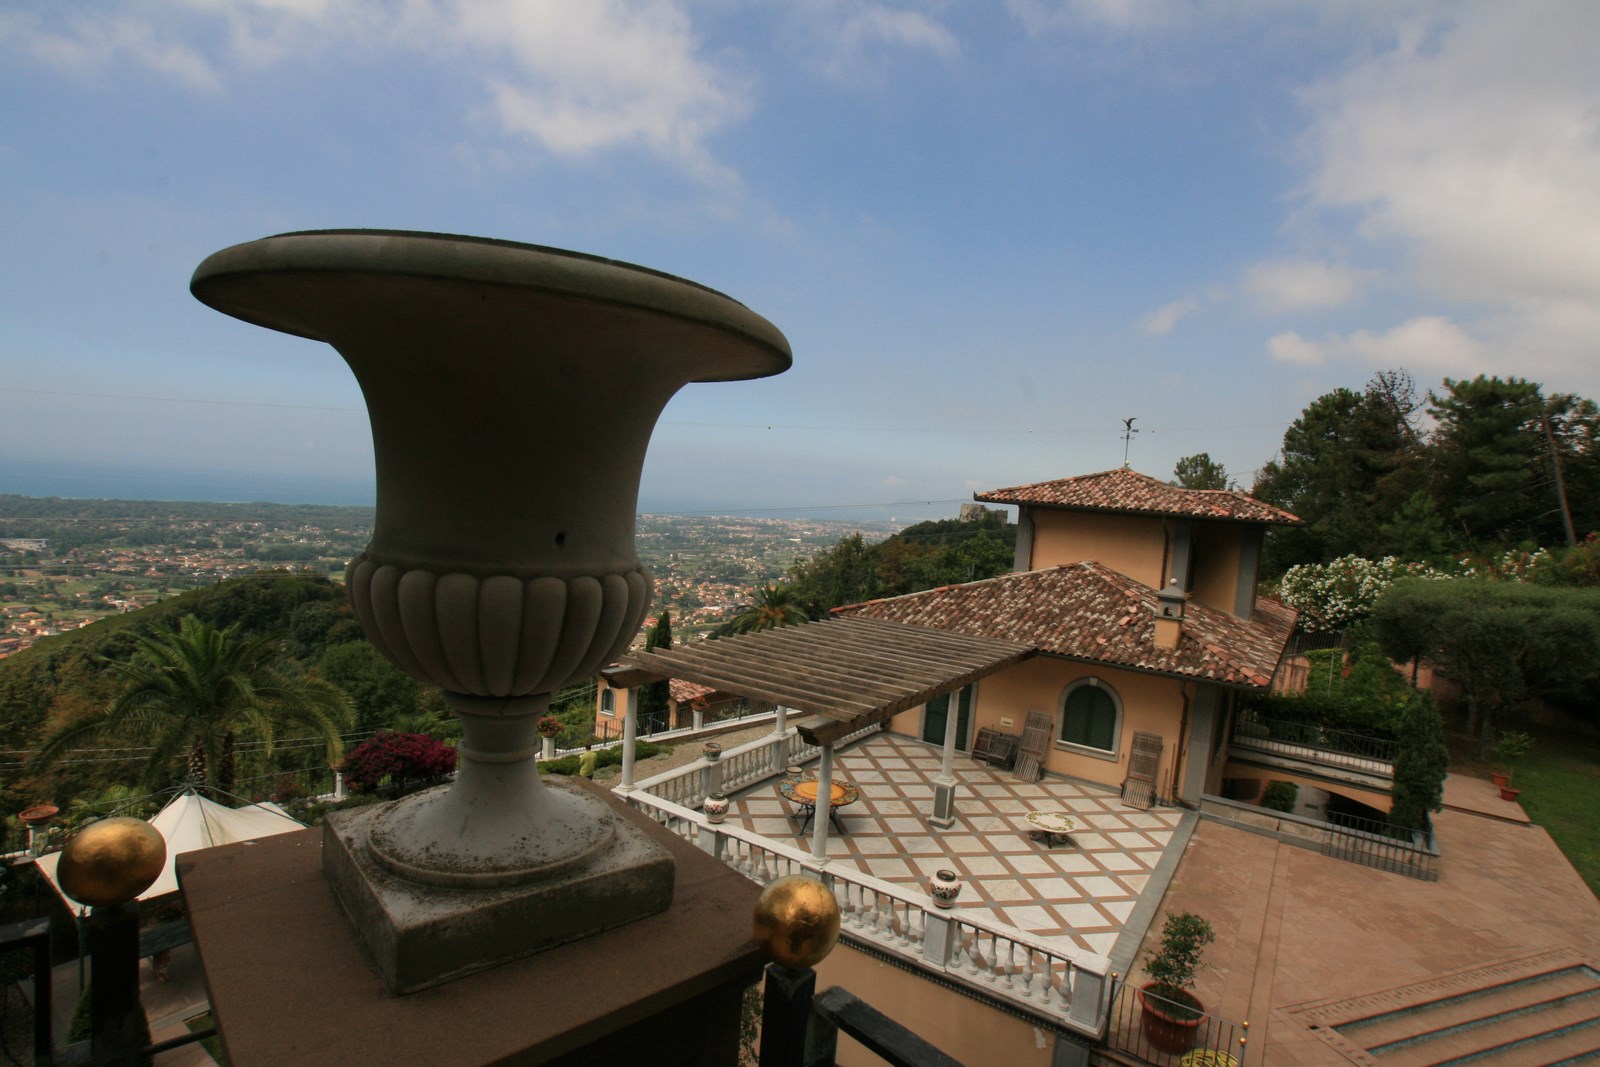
{"x":1042,"y":978}
{"x":1157,"y":1040}
{"x":1284,"y":736}
{"x":801,"y":1029}
{"x":1382,"y":845}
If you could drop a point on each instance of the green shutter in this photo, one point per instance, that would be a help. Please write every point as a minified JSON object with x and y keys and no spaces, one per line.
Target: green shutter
{"x":1090,"y":719}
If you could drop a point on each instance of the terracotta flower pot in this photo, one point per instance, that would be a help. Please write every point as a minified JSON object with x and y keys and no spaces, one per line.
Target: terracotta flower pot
{"x":1507,"y":793}
{"x":1500,"y":778}
{"x":1163,"y":1028}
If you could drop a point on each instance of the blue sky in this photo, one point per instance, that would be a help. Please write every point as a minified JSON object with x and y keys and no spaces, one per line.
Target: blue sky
{"x":990,"y":230}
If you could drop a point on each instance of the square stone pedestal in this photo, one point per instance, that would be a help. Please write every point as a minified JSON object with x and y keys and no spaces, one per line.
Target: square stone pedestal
{"x":290,"y":982}
{"x":423,"y":935}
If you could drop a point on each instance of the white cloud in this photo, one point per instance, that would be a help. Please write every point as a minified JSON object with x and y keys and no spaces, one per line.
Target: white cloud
{"x":854,"y":39}
{"x":1161,"y":321}
{"x":1303,"y":284}
{"x":908,"y":29}
{"x":589,"y":76}
{"x":1045,"y":16}
{"x":1472,"y":147}
{"x":1425,"y":343}
{"x":575,"y":78}
{"x":83,"y":45}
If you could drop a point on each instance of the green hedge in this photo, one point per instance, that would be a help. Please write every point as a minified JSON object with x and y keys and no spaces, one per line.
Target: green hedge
{"x":608,"y":757}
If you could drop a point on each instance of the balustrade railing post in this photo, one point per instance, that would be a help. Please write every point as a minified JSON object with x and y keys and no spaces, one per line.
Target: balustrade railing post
{"x":1088,"y":996}
{"x":713,"y":840}
{"x":938,"y":938}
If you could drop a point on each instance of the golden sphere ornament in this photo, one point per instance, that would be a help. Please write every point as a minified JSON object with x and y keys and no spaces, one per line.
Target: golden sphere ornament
{"x":797,"y":921}
{"x":111,"y":861}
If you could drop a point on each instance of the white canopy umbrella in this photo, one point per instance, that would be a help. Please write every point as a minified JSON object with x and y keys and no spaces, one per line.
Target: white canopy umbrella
{"x":191,"y":822}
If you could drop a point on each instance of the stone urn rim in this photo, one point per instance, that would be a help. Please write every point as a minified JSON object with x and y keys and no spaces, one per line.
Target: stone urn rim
{"x":460,"y":258}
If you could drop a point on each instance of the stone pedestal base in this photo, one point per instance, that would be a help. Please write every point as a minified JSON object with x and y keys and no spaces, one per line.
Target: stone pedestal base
{"x":290,"y":983}
{"x":420,"y":935}
{"x":944,"y":806}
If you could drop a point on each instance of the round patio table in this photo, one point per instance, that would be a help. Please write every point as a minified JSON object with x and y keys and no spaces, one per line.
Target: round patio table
{"x":1051,"y":827}
{"x":803,"y":793}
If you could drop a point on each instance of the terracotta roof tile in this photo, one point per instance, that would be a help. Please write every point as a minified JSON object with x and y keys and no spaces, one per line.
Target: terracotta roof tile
{"x":1089,"y":612}
{"x":684,"y":692}
{"x":1125,"y":490}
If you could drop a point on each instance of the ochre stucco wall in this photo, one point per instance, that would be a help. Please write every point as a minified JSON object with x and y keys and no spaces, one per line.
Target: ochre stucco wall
{"x":1131,"y":545}
{"x":1216,"y":579}
{"x":960,"y":1026}
{"x":1150,"y":704}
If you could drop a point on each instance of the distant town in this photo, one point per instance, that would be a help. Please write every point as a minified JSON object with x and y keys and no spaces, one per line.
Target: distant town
{"x":67,"y":563}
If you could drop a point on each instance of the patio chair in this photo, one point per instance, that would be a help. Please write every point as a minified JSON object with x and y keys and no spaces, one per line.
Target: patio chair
{"x":1031,"y":752}
{"x":1139,"y":788}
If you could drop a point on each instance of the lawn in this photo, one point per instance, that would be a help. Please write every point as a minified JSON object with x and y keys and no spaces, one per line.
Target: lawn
{"x":1560,"y":783}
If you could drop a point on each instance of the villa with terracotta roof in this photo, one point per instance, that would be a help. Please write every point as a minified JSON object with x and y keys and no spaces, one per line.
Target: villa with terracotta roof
{"x":1139,"y":601}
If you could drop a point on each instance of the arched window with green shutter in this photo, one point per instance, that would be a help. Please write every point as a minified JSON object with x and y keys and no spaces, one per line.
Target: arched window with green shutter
{"x":1091,"y":717}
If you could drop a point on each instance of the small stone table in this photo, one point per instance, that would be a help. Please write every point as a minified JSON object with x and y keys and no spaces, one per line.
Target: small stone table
{"x":1051,"y":827}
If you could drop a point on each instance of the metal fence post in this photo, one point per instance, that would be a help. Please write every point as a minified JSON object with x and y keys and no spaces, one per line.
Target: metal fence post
{"x":786,"y":1016}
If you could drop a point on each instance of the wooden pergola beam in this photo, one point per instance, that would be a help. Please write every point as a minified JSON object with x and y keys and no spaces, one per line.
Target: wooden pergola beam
{"x":843,"y":673}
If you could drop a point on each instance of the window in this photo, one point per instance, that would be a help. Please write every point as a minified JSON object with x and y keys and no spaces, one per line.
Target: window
{"x":1091,"y":717}
{"x":608,"y":702}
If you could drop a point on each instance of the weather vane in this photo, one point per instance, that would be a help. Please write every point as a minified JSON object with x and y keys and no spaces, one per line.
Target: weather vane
{"x":1127,"y":438}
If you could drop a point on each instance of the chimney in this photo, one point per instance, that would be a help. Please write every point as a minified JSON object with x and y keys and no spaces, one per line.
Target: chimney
{"x":1169,"y":615}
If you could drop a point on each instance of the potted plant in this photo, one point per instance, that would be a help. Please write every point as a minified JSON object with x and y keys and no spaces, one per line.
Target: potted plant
{"x":1171,"y":1012}
{"x":1511,"y":747}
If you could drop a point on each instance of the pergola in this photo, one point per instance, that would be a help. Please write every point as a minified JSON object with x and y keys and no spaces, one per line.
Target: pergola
{"x":843,"y":673}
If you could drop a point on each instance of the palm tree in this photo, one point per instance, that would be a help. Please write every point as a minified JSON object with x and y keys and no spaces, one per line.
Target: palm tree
{"x":772,"y":606}
{"x":196,"y":690}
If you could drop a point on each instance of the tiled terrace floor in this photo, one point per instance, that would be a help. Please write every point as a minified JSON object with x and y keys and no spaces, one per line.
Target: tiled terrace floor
{"x":1084,"y":891}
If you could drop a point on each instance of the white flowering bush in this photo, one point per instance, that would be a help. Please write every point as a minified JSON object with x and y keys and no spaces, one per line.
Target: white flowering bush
{"x":1333,"y":595}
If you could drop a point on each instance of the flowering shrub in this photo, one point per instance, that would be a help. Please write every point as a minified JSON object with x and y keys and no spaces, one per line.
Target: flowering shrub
{"x":549,"y":726}
{"x":1332,"y":595}
{"x":400,"y":758}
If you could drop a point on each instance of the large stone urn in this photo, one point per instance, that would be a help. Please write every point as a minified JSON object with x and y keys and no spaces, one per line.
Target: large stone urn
{"x":512,"y":391}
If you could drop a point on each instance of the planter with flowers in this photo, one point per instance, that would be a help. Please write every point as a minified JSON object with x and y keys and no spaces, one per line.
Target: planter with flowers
{"x":549,"y":728}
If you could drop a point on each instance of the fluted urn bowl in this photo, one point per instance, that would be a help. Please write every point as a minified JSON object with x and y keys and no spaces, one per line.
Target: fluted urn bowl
{"x":512,"y":391}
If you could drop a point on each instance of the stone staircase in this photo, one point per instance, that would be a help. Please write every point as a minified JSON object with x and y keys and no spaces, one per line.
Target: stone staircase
{"x":1540,"y":1011}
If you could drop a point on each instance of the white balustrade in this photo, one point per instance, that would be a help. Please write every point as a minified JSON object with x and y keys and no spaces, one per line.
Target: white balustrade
{"x":1049,"y":980}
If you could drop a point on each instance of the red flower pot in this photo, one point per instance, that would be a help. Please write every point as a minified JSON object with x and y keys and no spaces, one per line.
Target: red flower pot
{"x":1163,"y":1029}
{"x":1500,"y":778}
{"x":1507,"y":793}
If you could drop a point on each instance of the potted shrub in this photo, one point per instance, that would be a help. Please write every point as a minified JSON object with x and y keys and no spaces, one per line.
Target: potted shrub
{"x":1511,"y":747}
{"x":1171,"y":1012}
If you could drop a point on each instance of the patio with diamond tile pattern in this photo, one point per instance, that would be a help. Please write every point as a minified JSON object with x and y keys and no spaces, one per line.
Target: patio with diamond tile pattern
{"x":1083,"y":891}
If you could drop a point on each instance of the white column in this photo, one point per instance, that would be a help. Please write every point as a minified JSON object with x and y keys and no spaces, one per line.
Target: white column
{"x":630,"y":732}
{"x":699,"y":719}
{"x":819,"y":829}
{"x":944,"y":788}
{"x":780,"y":741}
{"x":952,"y":721}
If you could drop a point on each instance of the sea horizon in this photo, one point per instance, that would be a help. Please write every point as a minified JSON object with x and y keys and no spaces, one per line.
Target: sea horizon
{"x":106,"y":481}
